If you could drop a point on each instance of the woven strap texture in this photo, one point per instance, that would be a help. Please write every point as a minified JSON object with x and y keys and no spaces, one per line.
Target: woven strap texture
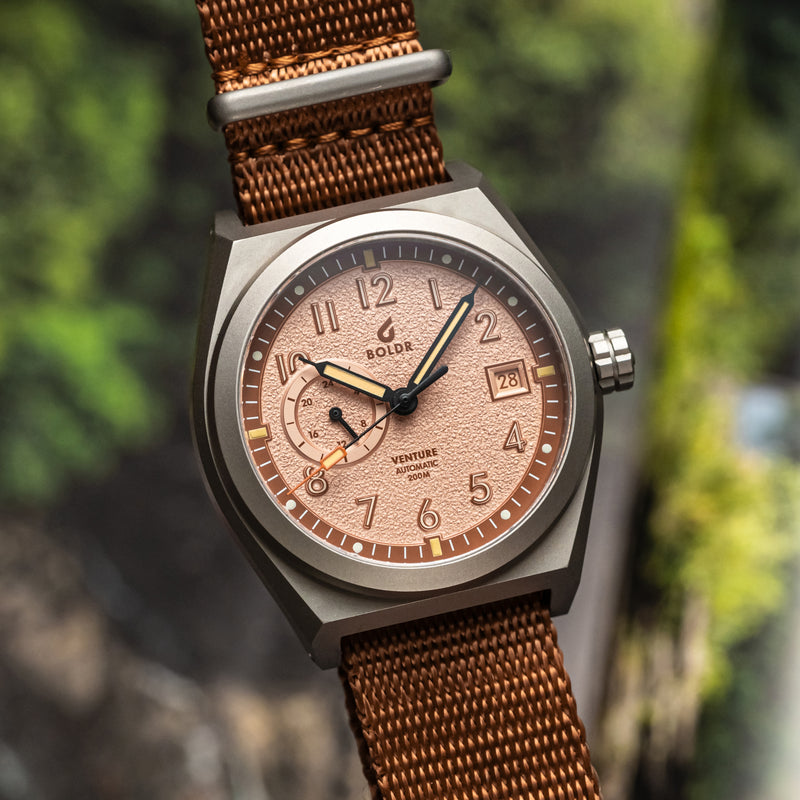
{"x":472,"y":705}
{"x":332,"y":153}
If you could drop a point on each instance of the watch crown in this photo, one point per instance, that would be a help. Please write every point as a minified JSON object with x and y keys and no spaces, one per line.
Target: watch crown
{"x":613,"y":360}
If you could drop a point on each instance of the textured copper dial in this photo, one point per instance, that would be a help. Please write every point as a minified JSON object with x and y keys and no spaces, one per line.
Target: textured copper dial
{"x":477,"y":453}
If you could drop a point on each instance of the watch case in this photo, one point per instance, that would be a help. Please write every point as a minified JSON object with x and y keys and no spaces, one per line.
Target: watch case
{"x":324,"y":595}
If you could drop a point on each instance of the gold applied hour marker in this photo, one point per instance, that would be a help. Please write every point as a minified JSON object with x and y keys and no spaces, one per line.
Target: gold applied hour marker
{"x":369,"y":260}
{"x":436,"y":546}
{"x":259,"y":433}
{"x":434,"y":287}
{"x":545,"y":372}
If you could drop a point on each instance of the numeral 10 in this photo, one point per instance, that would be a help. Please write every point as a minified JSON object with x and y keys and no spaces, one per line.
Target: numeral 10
{"x":288,"y":365}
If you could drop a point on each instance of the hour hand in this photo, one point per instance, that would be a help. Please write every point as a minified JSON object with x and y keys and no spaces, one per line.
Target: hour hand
{"x":352,"y":380}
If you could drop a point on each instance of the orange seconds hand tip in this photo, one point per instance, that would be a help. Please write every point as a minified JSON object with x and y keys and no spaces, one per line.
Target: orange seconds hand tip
{"x":326,"y":462}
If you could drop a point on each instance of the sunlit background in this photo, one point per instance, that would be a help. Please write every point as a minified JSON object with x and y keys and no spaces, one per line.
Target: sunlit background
{"x":652,"y":149}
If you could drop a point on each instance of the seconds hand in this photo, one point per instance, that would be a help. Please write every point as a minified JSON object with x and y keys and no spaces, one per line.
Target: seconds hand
{"x":403,"y":398}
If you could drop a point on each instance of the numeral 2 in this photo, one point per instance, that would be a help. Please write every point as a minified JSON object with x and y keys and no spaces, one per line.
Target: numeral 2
{"x":490,"y":318}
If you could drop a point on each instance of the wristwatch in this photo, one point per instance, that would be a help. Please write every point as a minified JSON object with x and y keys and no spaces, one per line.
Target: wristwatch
{"x":395,"y":404}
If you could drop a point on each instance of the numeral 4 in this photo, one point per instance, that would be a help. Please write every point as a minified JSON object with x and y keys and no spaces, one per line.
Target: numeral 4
{"x":514,"y":440}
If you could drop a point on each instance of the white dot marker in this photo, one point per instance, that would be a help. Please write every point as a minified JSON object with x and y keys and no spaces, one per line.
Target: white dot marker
{"x":512,"y":301}
{"x":357,"y":547}
{"x":547,"y":448}
{"x":257,"y":355}
{"x":505,"y":514}
{"x":447,"y":258}
{"x":298,"y":290}
{"x":291,"y":505}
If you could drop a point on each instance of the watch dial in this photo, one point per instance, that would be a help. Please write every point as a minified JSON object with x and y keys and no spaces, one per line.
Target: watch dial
{"x":481,"y":447}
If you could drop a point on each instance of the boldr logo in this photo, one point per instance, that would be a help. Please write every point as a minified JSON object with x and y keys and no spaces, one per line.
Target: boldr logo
{"x":386,"y":334}
{"x":386,"y":331}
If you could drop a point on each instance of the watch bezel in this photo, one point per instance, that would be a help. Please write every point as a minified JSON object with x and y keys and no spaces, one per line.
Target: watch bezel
{"x":258,"y":506}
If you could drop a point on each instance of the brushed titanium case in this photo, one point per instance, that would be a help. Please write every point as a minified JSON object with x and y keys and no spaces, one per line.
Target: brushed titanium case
{"x":324,"y":594}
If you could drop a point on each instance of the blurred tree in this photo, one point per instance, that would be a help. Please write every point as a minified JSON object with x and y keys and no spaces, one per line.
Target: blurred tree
{"x":95,"y":182}
{"x":722,"y":520}
{"x":578,"y":114}
{"x":77,"y":141}
{"x":574,"y":91}
{"x":575,"y":109}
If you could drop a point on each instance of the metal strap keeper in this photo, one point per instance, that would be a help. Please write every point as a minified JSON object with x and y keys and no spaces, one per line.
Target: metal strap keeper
{"x":428,"y":66}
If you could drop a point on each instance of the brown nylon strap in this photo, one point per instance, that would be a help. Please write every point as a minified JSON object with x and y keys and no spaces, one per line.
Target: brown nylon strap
{"x":332,"y":153}
{"x":474,"y":705}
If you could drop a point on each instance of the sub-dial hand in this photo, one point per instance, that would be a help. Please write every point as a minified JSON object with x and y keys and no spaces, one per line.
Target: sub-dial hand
{"x":444,"y":337}
{"x":404,"y":398}
{"x":336,"y":416}
{"x":352,"y":380}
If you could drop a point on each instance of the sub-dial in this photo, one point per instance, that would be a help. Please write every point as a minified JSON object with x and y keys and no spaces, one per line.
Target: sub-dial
{"x":314,"y":431}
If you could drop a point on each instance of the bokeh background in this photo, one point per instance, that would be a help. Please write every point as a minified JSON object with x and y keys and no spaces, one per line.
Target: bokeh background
{"x":652,"y":150}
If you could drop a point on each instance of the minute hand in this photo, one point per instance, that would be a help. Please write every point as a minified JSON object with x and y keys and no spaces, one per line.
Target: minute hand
{"x":444,"y":337}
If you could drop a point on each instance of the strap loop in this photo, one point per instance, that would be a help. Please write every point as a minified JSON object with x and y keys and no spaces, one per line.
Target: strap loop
{"x":428,"y":66}
{"x":328,"y":154}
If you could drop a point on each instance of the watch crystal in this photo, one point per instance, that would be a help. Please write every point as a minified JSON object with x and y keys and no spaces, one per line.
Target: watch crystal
{"x":330,"y":355}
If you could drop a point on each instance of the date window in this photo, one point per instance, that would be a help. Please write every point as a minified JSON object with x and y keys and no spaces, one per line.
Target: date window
{"x":507,"y":379}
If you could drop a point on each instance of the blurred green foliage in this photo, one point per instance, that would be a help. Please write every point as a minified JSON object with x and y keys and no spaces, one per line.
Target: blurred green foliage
{"x":102,"y":129}
{"x":572,"y":101}
{"x":724,"y":527}
{"x":576,"y":110}
{"x":77,"y":144}
{"x":725,"y":521}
